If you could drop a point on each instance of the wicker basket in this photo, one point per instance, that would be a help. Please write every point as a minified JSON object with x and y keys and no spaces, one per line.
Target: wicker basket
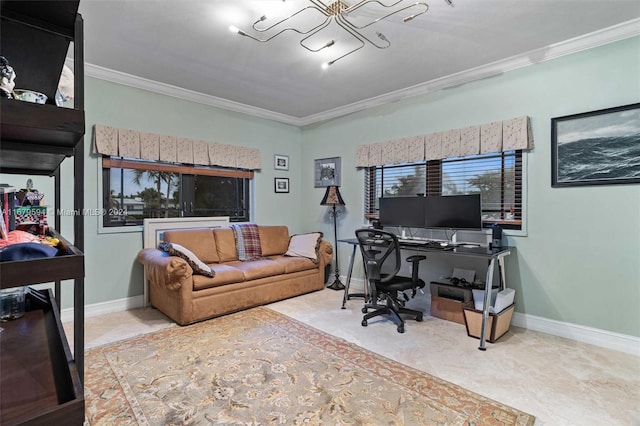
{"x":497,"y":324}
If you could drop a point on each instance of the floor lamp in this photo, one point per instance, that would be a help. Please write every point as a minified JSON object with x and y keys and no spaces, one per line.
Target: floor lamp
{"x":333,"y":198}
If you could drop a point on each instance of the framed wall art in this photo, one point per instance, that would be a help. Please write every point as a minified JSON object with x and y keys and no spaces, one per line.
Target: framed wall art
{"x":281,"y":162}
{"x":281,"y":185}
{"x":326,"y":172}
{"x":596,"y":148}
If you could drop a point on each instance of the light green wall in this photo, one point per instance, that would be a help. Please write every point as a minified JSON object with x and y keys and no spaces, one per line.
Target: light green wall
{"x":580,"y":260}
{"x":111,"y":270}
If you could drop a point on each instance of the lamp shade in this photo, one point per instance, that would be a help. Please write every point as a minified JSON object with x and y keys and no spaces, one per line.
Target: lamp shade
{"x":332,"y":197}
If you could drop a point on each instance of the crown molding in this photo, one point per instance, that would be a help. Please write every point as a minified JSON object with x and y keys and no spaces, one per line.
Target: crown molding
{"x":599,"y":38}
{"x":185,"y":94}
{"x":608,"y":35}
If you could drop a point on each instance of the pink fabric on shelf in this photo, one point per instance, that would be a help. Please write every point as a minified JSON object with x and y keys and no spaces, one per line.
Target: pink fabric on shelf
{"x":17,"y":236}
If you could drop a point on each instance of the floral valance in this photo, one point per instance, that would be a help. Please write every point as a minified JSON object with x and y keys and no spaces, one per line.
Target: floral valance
{"x":497,"y":136}
{"x":171,"y":149}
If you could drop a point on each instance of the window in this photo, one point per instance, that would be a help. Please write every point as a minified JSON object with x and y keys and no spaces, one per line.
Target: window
{"x":497,"y":177}
{"x":134,"y":190}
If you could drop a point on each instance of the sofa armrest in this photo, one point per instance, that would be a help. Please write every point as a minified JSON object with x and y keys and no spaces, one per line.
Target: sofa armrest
{"x":163,"y":270}
{"x":325,"y":253}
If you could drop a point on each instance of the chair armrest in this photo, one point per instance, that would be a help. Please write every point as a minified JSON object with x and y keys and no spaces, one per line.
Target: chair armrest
{"x":416,"y":258}
{"x":373,"y":271}
{"x":415,"y":261}
{"x":164,"y":270}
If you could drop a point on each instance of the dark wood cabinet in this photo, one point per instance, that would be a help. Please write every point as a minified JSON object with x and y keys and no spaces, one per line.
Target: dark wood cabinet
{"x":41,"y":380}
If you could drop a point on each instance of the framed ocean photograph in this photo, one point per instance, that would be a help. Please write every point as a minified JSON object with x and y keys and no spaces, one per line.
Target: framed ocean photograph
{"x":596,"y":148}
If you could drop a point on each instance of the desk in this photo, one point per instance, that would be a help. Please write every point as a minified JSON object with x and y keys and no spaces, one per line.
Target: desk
{"x":491,"y":255}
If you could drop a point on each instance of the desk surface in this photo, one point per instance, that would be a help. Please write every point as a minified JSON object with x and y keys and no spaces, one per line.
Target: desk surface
{"x":459,"y":248}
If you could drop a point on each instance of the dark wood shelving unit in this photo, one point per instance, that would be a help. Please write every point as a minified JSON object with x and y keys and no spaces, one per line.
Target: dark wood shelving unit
{"x":41,"y":380}
{"x":39,"y":386}
{"x":42,"y":125}
{"x":47,"y":269}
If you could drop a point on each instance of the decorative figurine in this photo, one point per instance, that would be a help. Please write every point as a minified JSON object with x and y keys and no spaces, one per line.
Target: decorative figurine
{"x":7,"y":77}
{"x":65,"y":86}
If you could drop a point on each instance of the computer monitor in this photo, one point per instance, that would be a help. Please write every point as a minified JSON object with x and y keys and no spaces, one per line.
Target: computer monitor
{"x":402,"y":211}
{"x":453,"y":211}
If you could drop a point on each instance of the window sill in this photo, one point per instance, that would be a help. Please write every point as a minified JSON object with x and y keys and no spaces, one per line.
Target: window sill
{"x":118,"y":229}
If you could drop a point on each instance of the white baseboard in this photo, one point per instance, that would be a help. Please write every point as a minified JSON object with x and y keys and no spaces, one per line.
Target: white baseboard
{"x":103,"y":308}
{"x":606,"y":339}
{"x":579,"y":333}
{"x":593,"y":336}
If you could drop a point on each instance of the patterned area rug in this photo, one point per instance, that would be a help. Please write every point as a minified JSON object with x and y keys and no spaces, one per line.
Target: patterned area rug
{"x":259,"y":367}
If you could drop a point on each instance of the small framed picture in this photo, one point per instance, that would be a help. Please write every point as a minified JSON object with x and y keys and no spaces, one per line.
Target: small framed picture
{"x":327,"y":172}
{"x":281,"y":185}
{"x":281,"y":162}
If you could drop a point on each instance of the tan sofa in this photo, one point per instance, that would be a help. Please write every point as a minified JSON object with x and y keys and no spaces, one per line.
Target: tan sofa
{"x":186,"y":297}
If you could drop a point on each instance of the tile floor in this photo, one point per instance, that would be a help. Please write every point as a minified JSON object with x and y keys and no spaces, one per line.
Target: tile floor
{"x":560,"y":381}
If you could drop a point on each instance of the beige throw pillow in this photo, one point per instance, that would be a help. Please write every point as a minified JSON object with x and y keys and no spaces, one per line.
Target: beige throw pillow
{"x":305,"y":245}
{"x":198,"y":266}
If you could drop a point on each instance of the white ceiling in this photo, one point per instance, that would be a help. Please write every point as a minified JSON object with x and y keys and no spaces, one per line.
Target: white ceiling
{"x":185,"y":49}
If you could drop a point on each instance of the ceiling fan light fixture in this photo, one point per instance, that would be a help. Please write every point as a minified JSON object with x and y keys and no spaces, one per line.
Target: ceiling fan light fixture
{"x":327,"y":64}
{"x":337,"y":13}
{"x":409,"y":18}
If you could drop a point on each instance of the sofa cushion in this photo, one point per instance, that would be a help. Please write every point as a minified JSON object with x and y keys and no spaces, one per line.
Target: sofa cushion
{"x":274,"y":239}
{"x":294,"y":264}
{"x":199,"y":240}
{"x":225,"y":244}
{"x":256,"y":269}
{"x":198,"y":266}
{"x":224,"y":274}
{"x":305,"y":245}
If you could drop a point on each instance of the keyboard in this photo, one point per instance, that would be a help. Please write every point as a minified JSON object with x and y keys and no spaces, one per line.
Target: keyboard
{"x":408,"y":241}
{"x":424,"y":243}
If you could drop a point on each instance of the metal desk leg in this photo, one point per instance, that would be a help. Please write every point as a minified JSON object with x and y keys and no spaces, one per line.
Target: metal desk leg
{"x":485,"y":308}
{"x":503,"y":278}
{"x":346,"y":287}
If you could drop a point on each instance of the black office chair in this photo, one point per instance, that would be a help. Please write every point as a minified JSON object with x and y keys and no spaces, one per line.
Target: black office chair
{"x":380,"y":250}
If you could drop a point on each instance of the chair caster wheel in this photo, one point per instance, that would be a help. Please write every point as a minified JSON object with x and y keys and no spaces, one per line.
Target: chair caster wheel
{"x":364,"y":323}
{"x":419,"y":318}
{"x":401,"y":329}
{"x":364,"y":310}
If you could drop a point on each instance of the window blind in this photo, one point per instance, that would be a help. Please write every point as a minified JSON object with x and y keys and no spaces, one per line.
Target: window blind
{"x":496,"y":176}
